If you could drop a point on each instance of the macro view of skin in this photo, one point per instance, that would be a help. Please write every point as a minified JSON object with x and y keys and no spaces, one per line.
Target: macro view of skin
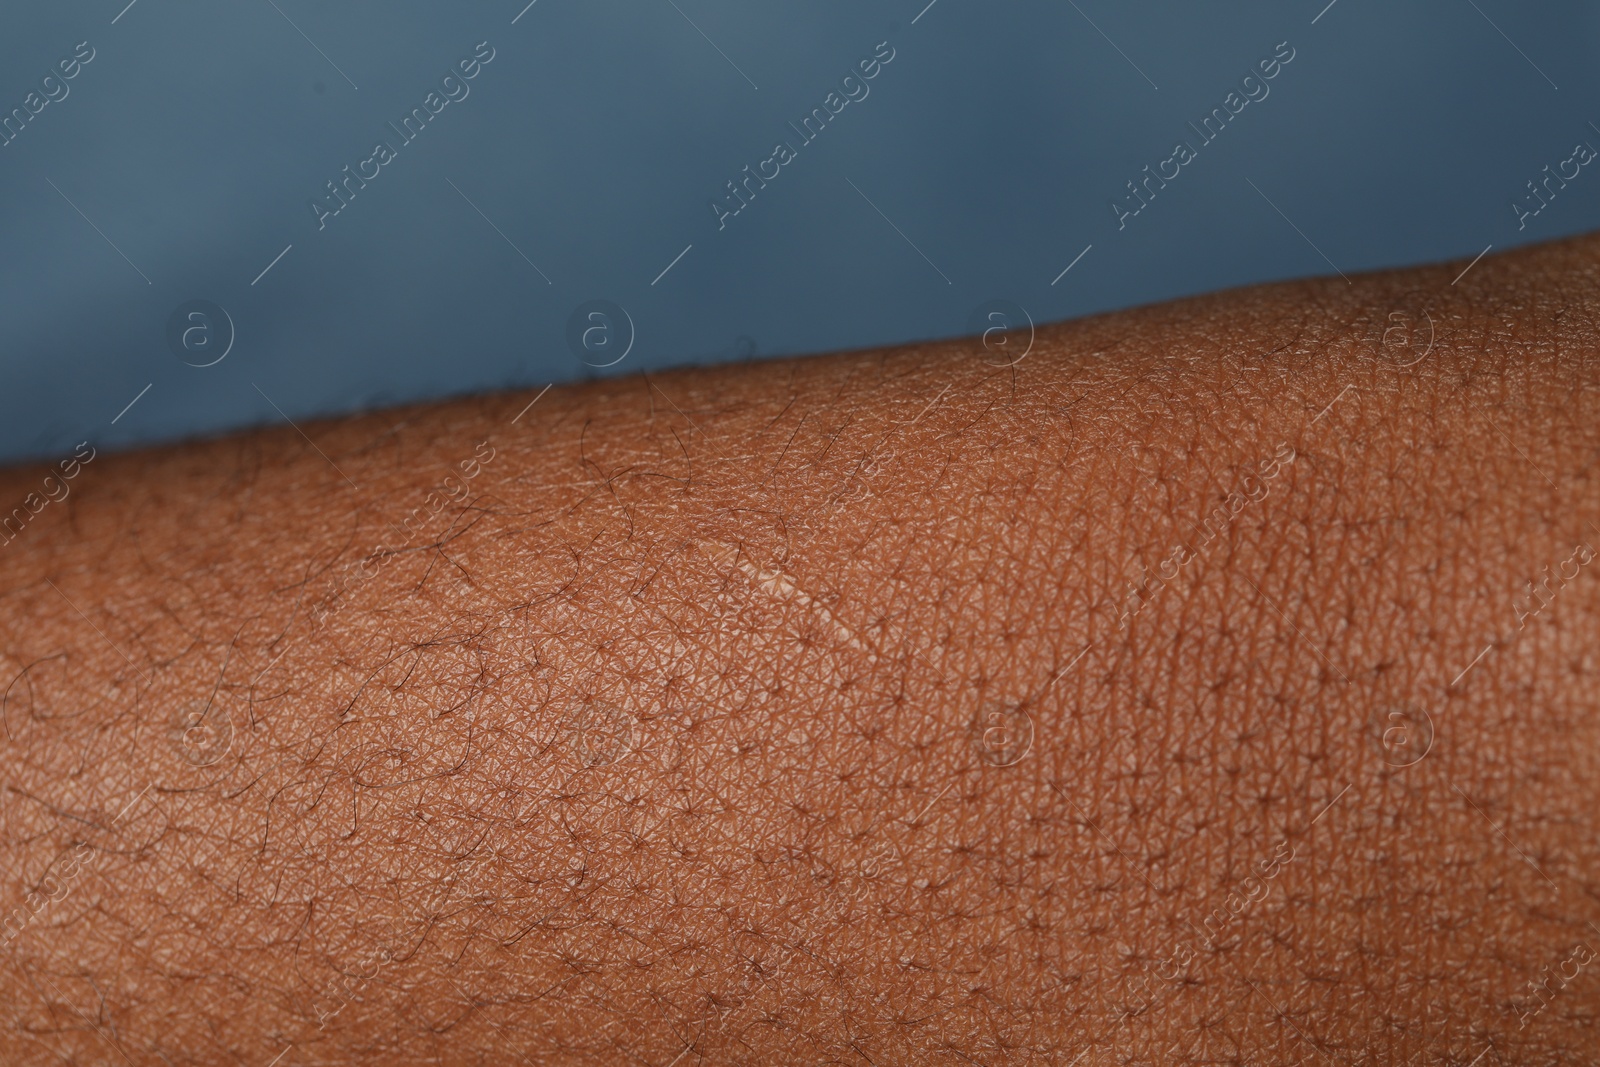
{"x":1208,"y":683}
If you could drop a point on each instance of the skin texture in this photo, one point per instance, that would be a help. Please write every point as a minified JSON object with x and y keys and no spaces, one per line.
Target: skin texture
{"x":802,"y":712}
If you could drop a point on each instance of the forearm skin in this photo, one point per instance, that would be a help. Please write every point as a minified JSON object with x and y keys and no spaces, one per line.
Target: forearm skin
{"x":887,"y":707}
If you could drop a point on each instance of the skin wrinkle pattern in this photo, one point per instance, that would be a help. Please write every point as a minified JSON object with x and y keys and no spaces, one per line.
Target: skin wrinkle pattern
{"x":1581,"y":956}
{"x":690,"y":816}
{"x":1532,"y":603}
{"x":776,"y":584}
{"x":12,"y":525}
{"x":1231,"y":506}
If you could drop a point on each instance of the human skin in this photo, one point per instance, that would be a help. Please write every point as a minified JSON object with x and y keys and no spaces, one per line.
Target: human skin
{"x":800,"y":712}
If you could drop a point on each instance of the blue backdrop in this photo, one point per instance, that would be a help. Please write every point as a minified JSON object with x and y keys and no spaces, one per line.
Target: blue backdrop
{"x":238,"y":213}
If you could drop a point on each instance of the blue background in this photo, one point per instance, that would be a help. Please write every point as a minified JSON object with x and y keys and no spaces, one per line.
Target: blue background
{"x":980,"y":165}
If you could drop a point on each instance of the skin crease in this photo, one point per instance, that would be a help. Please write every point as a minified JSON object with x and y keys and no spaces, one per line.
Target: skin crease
{"x":800,"y":713}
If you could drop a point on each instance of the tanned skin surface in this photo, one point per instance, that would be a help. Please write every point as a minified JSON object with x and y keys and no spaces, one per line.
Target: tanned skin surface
{"x":801,"y":712}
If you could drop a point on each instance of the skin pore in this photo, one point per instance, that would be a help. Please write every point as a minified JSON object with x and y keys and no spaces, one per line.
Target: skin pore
{"x":1214,"y":685}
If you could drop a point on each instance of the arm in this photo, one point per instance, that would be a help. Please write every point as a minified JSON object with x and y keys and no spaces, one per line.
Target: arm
{"x":1178,"y":693}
